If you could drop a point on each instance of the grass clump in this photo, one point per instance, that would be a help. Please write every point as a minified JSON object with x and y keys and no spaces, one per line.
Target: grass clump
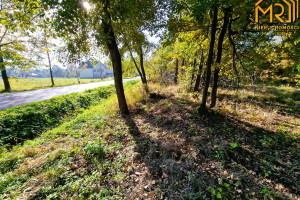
{"x":95,"y":150}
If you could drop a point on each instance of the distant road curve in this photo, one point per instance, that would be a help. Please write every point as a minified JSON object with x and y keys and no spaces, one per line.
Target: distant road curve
{"x":8,"y":100}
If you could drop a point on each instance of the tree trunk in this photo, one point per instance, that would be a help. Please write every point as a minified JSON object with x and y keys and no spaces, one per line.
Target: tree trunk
{"x":143,"y":70}
{"x":202,"y":107}
{"x":193,"y":74}
{"x":198,"y":78}
{"x":4,"y":75}
{"x":115,"y":58}
{"x":194,"y":70}
{"x":142,"y":65}
{"x":219,"y":57}
{"x":137,"y":67}
{"x":233,"y":61}
{"x":161,"y":75}
{"x":182,"y":64}
{"x":176,"y":71}
{"x":215,"y":87}
{"x":51,"y":75}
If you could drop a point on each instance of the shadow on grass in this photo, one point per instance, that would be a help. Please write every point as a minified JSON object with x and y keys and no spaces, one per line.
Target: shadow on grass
{"x":285,"y":101}
{"x":213,"y":156}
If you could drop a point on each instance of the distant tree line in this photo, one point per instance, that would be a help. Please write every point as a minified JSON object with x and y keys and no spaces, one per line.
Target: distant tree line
{"x":58,"y":72}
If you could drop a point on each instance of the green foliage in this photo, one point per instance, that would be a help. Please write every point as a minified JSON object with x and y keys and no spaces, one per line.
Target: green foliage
{"x":18,"y":20}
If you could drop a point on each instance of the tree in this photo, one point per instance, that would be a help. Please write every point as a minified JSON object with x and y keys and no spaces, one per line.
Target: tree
{"x":202,"y":107}
{"x":198,"y":76}
{"x":50,"y":67}
{"x":136,"y":42}
{"x":16,"y":20}
{"x":219,"y":56}
{"x":115,"y":57}
{"x":77,"y":25}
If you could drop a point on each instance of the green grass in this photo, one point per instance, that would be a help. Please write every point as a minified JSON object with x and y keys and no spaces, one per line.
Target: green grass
{"x":24,"y":84}
{"x":26,"y":122}
{"x":76,"y":160}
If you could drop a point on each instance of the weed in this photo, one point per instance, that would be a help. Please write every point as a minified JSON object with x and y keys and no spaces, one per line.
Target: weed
{"x":234,"y":145}
{"x":95,"y":150}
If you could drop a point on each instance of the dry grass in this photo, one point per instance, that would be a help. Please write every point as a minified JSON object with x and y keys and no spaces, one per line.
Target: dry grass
{"x":272,"y":108}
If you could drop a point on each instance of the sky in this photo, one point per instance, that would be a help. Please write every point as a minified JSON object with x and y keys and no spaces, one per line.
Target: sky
{"x":102,"y":58}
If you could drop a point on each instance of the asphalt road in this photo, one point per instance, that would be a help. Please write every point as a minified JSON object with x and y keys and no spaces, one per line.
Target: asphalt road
{"x":8,"y":100}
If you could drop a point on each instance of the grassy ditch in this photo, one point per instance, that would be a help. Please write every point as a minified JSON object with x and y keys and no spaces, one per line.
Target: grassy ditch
{"x":26,"y":122}
{"x":79,"y":159}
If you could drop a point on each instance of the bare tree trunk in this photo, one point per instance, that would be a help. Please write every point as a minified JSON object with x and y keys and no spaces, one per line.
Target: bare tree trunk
{"x":202,"y":107}
{"x":115,"y":58}
{"x":202,"y":82}
{"x":252,"y":83}
{"x":219,"y":57}
{"x":176,"y":71}
{"x":198,"y":78}
{"x":51,"y":75}
{"x":4,"y":75}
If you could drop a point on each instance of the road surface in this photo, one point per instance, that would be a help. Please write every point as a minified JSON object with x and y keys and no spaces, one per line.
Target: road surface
{"x":8,"y":100}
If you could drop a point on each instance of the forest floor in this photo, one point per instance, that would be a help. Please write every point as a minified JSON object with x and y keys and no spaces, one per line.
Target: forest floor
{"x":24,"y":84}
{"x":245,"y":148}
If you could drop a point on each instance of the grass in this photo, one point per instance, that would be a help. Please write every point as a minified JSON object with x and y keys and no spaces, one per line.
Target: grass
{"x":164,"y":150}
{"x":269,"y":107}
{"x":26,"y":122}
{"x":24,"y":84}
{"x":76,"y":160}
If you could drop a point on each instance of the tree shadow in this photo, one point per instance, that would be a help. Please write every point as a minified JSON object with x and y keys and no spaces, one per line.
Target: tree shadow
{"x":283,"y":107}
{"x":199,"y":157}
